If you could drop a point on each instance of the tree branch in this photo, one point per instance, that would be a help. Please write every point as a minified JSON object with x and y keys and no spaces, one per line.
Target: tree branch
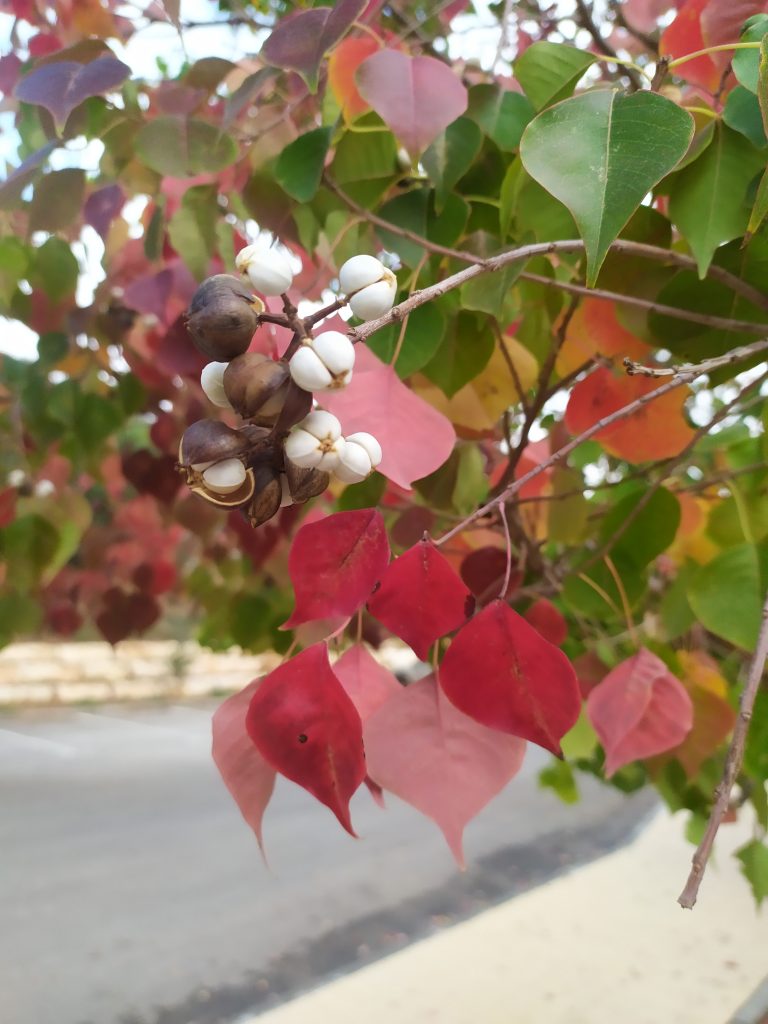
{"x":733,"y":762}
{"x":587,"y":22}
{"x":736,"y":355}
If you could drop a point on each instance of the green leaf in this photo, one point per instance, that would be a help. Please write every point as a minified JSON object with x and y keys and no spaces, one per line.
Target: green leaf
{"x":464,"y":352}
{"x":14,"y":260}
{"x":762,"y":82}
{"x":600,"y":154}
{"x":364,"y":156}
{"x":451,"y":155}
{"x":447,"y":227}
{"x":760,"y":209}
{"x":707,"y":201}
{"x":57,"y":200}
{"x":20,"y":615}
{"x":567,"y":520}
{"x":726,"y":596}
{"x":754,"y":866}
{"x":366,"y":494}
{"x":746,"y":63}
{"x":182,"y":148}
{"x":559,"y":777}
{"x":459,"y":485}
{"x":406,"y":211}
{"x":424,"y":333}
{"x":501,"y":113}
{"x":299,"y":167}
{"x":742,"y":113}
{"x":488,"y":293}
{"x":54,"y":269}
{"x":27,"y":546}
{"x":192,"y":229}
{"x":548,"y":72}
{"x":651,"y":531}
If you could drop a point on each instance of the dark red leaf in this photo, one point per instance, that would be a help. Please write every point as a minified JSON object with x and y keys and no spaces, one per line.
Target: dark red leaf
{"x":246,"y":774}
{"x":7,"y":506}
{"x":504,"y":674}
{"x":548,"y":621}
{"x":421,"y":598}
{"x":443,"y":763}
{"x":334,"y":564}
{"x":301,"y":39}
{"x":640,"y":709}
{"x":152,"y":474}
{"x":63,"y":86}
{"x":367,"y":683}
{"x":101,"y":208}
{"x":307,"y":728}
{"x":483,"y":572}
{"x":124,"y":614}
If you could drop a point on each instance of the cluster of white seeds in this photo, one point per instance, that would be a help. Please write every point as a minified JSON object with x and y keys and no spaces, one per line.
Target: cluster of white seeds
{"x":317,"y":443}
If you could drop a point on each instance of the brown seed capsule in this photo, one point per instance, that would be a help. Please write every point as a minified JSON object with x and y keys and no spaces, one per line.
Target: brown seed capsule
{"x":208,"y":441}
{"x":235,"y":499}
{"x":305,"y":483}
{"x":223,"y":317}
{"x":253,"y":383}
{"x":297,"y":405}
{"x":267,"y":495}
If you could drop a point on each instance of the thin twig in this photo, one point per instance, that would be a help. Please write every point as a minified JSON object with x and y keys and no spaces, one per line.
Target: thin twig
{"x":587,"y":22}
{"x":733,"y":762}
{"x":736,"y":355}
{"x":508,"y":539}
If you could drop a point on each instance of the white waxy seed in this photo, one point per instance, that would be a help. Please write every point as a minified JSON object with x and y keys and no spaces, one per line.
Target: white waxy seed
{"x":225,"y":477}
{"x":375,"y":300}
{"x":269,"y":272}
{"x":303,"y":449}
{"x":358,"y":272}
{"x":333,"y":451}
{"x":354,"y":463}
{"x":322,"y":425}
{"x":335,"y":350}
{"x":308,"y":370}
{"x":212,"y":383}
{"x":371,"y":445}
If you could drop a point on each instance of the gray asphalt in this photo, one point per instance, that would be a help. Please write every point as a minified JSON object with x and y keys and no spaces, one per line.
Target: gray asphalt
{"x":132,"y":892}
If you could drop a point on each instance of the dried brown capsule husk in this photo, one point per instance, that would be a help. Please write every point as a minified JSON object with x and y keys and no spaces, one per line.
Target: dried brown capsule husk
{"x":236,"y":499}
{"x":208,"y":441}
{"x":305,"y":483}
{"x":297,"y":405}
{"x":223,"y":317}
{"x":256,"y":387}
{"x":267,"y":495}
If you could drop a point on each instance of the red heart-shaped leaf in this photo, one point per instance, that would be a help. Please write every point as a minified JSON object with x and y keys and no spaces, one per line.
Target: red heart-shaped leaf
{"x":444,"y":764}
{"x":335,"y":563}
{"x":421,"y":598}
{"x":306,"y":727}
{"x":640,"y":709}
{"x":367,"y":683}
{"x":503,"y":673}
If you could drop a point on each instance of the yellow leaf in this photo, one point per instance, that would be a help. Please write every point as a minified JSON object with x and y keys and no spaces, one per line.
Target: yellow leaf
{"x":700,"y":670}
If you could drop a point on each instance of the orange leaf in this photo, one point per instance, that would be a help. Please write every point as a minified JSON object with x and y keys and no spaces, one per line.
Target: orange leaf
{"x":656,"y":431}
{"x":342,"y":65}
{"x":684,"y":36}
{"x":595,"y":330}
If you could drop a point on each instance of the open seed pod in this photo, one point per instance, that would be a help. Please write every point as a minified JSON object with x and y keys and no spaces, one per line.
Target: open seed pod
{"x":297,"y":405}
{"x":305,"y":483}
{"x":267,"y":494}
{"x":223,"y":317}
{"x":231,"y":499}
{"x":256,"y":387}
{"x":208,"y":441}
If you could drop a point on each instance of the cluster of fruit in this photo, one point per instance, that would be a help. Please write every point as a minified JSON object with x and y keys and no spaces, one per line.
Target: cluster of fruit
{"x":285,"y":450}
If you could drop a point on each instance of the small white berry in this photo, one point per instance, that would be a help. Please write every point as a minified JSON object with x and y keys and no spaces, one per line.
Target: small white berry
{"x":323,"y":363}
{"x":16,"y":478}
{"x":212,"y":383}
{"x":309,"y":371}
{"x":358,"y":272}
{"x":354,"y":464}
{"x":225,"y":477}
{"x":369,"y":443}
{"x":316,"y":442}
{"x":375,"y":300}
{"x":269,"y":272}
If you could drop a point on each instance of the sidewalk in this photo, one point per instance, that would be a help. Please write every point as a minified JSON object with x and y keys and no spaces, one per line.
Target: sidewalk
{"x":606,"y":944}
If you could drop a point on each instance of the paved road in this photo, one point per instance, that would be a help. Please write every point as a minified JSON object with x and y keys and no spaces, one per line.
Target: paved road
{"x":132,"y":893}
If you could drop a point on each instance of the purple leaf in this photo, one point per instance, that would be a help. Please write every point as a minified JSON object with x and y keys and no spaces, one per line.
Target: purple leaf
{"x":63,"y":86}
{"x":302,"y":39}
{"x":102,"y":206}
{"x":417,"y":97}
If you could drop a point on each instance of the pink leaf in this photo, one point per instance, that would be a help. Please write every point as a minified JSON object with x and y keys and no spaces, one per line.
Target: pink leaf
{"x":62,"y":86}
{"x":415,"y":438}
{"x":503,"y":673}
{"x":301,"y":39}
{"x":246,"y":774}
{"x":417,"y":97}
{"x":421,"y":598}
{"x":638,"y":710}
{"x":306,"y":727}
{"x":722,"y":22}
{"x":334,"y":564}
{"x":547,"y":620}
{"x":367,"y":683}
{"x":428,"y":753}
